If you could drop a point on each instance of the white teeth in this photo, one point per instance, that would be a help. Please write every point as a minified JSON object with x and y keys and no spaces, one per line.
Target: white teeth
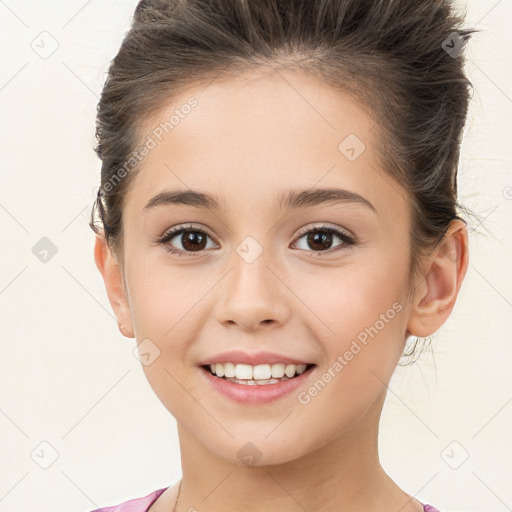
{"x":277,"y":370}
{"x":242,"y":371}
{"x":301,"y":368}
{"x":263,"y":373}
{"x":258,"y":382}
{"x":229,"y":370}
{"x":289,"y":370}
{"x":219,"y":370}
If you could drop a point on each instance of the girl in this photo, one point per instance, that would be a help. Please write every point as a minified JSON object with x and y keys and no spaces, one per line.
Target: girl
{"x":278,"y":217}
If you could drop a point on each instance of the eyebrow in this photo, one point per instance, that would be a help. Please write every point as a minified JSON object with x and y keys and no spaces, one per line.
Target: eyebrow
{"x":292,"y":199}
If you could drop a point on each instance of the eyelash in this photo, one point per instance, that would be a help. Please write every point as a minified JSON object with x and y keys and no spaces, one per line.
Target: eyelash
{"x":349,"y":242}
{"x":177,"y":230}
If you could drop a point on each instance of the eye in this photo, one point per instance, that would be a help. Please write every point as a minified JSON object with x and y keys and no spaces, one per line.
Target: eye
{"x":192,"y":240}
{"x":321,"y":237}
{"x":195,"y":240}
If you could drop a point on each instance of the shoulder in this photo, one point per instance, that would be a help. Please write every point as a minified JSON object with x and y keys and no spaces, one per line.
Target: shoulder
{"x":429,"y":508}
{"x":134,"y":505}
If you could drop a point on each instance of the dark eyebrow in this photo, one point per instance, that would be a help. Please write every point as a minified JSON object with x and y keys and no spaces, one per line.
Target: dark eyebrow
{"x":186,"y":197}
{"x":289,"y":200}
{"x":314,"y":197}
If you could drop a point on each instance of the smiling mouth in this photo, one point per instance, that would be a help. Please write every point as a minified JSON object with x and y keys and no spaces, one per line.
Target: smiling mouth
{"x":259,"y":375}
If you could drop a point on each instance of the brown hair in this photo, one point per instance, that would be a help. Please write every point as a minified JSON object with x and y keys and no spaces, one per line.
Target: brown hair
{"x":402,"y":59}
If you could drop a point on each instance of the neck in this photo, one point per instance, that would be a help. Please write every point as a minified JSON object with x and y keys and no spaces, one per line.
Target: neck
{"x":343,"y":475}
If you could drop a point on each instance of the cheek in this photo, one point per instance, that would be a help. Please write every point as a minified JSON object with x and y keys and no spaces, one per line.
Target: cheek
{"x":162,"y":297}
{"x":355,"y":296}
{"x":168,"y":309}
{"x":360,"y":321}
{"x":165,"y":312}
{"x":362,"y":338}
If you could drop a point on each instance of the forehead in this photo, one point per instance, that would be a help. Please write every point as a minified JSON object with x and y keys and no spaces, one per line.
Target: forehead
{"x":251,"y":138}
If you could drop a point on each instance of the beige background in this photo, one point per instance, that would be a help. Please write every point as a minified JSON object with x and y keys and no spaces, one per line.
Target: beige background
{"x":69,"y":380}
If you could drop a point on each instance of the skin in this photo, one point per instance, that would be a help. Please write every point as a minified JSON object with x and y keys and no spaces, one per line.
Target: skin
{"x":250,"y":138}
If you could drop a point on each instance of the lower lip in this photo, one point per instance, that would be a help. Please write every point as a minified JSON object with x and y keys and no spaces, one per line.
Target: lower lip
{"x":256,"y":394}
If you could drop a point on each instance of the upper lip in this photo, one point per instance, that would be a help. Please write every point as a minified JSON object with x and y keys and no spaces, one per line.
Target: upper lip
{"x":254,"y":359}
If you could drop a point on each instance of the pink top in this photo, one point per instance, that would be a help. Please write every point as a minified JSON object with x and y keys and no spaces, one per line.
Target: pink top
{"x":143,"y":504}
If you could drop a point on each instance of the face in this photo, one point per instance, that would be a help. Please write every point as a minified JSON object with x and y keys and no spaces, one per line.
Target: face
{"x":321,"y":282}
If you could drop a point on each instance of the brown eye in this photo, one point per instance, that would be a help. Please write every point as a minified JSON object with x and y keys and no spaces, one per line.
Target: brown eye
{"x":320,"y":239}
{"x":193,"y":240}
{"x":182,"y":240}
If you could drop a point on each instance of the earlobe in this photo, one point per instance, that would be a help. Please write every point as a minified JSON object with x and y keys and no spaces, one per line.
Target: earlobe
{"x":437,"y":293}
{"x":112,"y":276}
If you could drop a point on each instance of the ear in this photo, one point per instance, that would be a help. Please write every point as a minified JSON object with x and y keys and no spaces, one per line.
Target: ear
{"x":435,"y":295}
{"x":112,"y":276}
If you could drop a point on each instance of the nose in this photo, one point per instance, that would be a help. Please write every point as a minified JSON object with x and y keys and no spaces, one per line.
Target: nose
{"x":252,"y":295}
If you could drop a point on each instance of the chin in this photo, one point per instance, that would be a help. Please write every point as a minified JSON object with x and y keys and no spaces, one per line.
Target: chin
{"x":259,"y":450}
